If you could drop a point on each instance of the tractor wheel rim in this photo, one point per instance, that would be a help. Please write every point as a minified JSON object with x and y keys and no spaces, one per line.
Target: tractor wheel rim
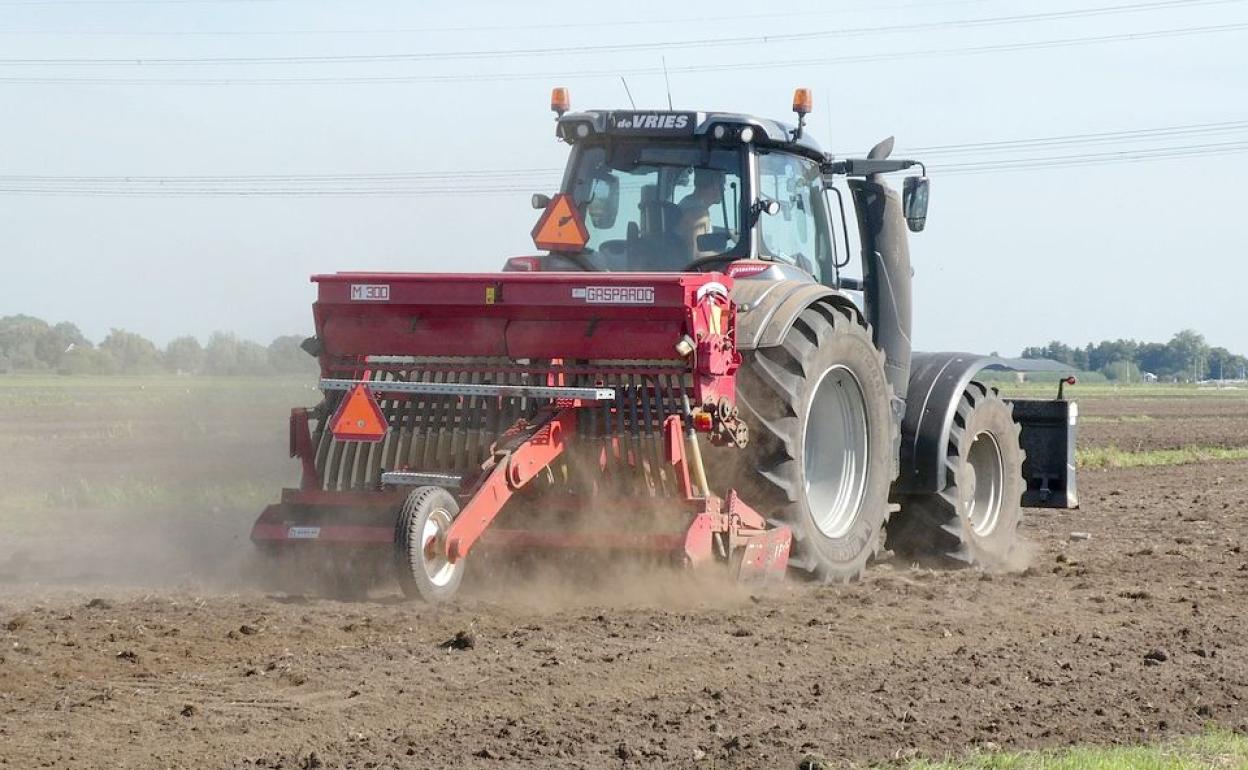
{"x":986,"y":479}
{"x":835,"y":451}
{"x":438,"y":568}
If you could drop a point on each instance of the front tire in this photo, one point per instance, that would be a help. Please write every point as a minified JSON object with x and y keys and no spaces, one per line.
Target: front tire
{"x":821,"y":441}
{"x":974,"y":520}
{"x":421,"y":566}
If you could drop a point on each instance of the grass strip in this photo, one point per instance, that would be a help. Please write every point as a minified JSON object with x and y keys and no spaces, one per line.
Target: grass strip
{"x":1114,"y":457}
{"x":1213,"y":750}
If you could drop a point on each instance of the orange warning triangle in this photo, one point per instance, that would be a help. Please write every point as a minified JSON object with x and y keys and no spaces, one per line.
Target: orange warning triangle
{"x":560,"y":227}
{"x":358,"y":417}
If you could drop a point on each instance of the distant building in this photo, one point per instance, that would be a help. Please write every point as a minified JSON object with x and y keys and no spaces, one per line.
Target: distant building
{"x":1150,"y":377}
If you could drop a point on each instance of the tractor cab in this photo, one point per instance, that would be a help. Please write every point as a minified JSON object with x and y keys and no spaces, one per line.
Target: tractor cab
{"x":683,"y":191}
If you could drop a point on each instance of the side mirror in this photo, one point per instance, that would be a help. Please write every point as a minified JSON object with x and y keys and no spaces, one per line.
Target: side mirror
{"x":604,"y":202}
{"x":713,"y":243}
{"x":539,"y":201}
{"x":914,"y":202}
{"x":764,"y":206}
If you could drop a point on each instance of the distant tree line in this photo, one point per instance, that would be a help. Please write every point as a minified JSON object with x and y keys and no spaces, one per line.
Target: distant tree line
{"x":32,"y":344}
{"x":1185,"y":358}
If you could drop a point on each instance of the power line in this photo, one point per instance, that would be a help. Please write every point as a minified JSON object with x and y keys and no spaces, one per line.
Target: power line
{"x":612,"y":48}
{"x":503,"y":181}
{"x":567,"y":75}
{"x":1091,"y":159}
{"x":395,"y":176}
{"x":1141,"y":134}
{"x":611,"y":23}
{"x":38,"y":3}
{"x":505,"y":175}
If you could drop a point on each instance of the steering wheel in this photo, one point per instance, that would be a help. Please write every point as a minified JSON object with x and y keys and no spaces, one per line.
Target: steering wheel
{"x":698,"y":263}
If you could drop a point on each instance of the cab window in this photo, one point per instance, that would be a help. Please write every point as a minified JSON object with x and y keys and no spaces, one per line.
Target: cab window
{"x":659,"y":205}
{"x":800,"y":233}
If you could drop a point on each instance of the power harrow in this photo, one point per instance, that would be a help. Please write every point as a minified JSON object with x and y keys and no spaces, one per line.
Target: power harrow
{"x":468,"y":409}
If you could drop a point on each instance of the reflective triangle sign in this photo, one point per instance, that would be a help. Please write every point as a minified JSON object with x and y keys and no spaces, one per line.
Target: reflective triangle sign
{"x":358,"y":417}
{"x":560,"y":227}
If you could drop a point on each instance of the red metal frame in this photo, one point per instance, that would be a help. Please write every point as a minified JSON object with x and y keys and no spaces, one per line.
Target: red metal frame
{"x":685,"y":322}
{"x":513,"y":467}
{"x":301,"y":447}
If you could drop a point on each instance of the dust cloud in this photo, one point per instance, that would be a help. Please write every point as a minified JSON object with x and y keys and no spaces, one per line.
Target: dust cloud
{"x":140,"y":482}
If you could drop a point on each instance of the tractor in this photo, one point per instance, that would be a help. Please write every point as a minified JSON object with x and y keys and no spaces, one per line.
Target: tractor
{"x":687,"y":360}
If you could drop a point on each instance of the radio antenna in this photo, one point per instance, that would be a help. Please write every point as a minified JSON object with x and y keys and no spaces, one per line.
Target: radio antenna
{"x":630,"y":93}
{"x":831,"y":137}
{"x":667,"y":82}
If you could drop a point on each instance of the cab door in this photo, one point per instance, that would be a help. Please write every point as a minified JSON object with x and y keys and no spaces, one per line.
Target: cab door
{"x":800,"y":233}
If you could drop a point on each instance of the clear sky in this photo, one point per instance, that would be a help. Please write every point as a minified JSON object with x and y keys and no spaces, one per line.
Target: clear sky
{"x":1011,"y":256}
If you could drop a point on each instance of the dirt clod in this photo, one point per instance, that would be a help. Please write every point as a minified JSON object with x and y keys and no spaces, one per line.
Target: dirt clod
{"x":463,"y":640}
{"x":814,"y":762}
{"x":1156,"y":656}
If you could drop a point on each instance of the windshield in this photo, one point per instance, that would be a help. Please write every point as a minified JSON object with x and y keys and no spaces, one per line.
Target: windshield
{"x":657,"y":206}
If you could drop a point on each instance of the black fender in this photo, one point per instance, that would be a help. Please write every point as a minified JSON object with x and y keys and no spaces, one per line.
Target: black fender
{"x":766,"y":310}
{"x":936,"y":383}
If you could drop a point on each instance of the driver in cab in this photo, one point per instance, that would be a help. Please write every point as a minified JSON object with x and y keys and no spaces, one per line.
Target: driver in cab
{"x":694,"y":218}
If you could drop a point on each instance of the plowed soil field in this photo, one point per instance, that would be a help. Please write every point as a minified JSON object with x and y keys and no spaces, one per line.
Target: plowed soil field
{"x":130,"y":635}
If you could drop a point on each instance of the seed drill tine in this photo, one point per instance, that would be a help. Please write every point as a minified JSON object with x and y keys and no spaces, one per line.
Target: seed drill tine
{"x":395,"y":440}
{"x":603,"y":442}
{"x":410,"y":408}
{"x":428,"y":434}
{"x":618,"y":438}
{"x":417,"y":423}
{"x":325,"y":441}
{"x":464,"y":412}
{"x":493,"y":418}
{"x":455,"y":406}
{"x":376,"y":449}
{"x":394,"y":433}
{"x":442,"y":408}
{"x":472,"y":427}
{"x":437,"y":436}
{"x":654,"y":398}
{"x":420,"y":407}
{"x":450,"y":421}
{"x":638,"y":468}
{"x":660,"y":410}
{"x":643,"y":393}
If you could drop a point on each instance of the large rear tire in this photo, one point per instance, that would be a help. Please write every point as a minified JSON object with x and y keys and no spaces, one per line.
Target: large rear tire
{"x":821,"y":441}
{"x":974,"y":520}
{"x":421,"y":566}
